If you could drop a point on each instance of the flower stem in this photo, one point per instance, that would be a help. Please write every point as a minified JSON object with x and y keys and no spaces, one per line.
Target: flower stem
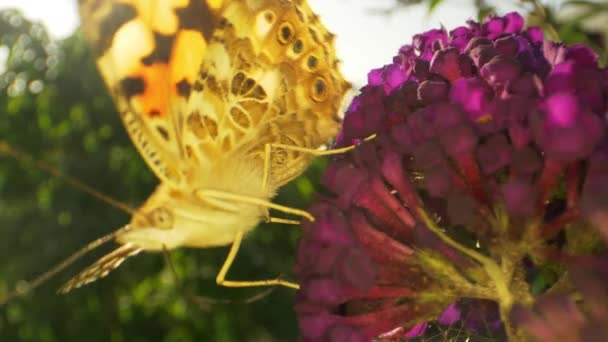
{"x":494,"y":271}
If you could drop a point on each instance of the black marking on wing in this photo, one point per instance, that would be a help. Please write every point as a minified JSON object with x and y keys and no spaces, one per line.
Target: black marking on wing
{"x":163,"y":132}
{"x":190,"y":18}
{"x":136,"y":129}
{"x":131,"y":86}
{"x":162,"y":49}
{"x":198,"y":86}
{"x":183,"y":88}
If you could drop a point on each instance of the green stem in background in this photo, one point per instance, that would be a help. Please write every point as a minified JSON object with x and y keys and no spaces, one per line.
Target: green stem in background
{"x":501,"y":281}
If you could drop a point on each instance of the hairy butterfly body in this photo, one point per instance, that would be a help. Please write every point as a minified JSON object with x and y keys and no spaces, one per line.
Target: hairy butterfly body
{"x":204,"y":88}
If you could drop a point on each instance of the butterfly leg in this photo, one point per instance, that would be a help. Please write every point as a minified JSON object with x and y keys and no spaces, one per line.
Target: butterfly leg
{"x":315,"y":152}
{"x":201,"y":302}
{"x":214,"y":195}
{"x":220,"y":195}
{"x":271,"y":219}
{"x":221,"y":276}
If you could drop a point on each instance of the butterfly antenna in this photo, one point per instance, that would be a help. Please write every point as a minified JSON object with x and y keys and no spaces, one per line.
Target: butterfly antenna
{"x":203,"y":302}
{"x":24,"y":287}
{"x":27,"y":159}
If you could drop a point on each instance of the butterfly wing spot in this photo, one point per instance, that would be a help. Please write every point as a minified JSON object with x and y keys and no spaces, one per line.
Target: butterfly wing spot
{"x":243,"y":85}
{"x":313,"y":34}
{"x":198,"y":86}
{"x":189,"y":152}
{"x":285,"y":33}
{"x":248,"y":86}
{"x":212,"y":85}
{"x":183,"y":88}
{"x":163,"y":133}
{"x":299,"y":13}
{"x":222,"y":25}
{"x":258,"y":93}
{"x":312,"y":62}
{"x":211,"y":126}
{"x":195,"y":124}
{"x":318,"y":89}
{"x":162,"y":49}
{"x":202,"y":126}
{"x":240,"y":118}
{"x":141,"y":90}
{"x":132,"y":86}
{"x":298,"y":46}
{"x":190,"y":16}
{"x":269,"y":16}
{"x":237,"y":81}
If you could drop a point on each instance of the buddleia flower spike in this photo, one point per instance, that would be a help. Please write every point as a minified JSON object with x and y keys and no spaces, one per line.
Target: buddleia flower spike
{"x":489,"y":164}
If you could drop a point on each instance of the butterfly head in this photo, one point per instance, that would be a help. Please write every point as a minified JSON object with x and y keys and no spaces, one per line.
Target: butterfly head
{"x":171,"y":219}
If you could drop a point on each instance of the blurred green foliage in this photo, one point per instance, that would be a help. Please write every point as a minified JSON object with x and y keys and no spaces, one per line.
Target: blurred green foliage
{"x":54,"y":107}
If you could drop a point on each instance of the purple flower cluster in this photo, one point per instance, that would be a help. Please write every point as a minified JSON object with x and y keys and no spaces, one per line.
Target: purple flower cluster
{"x":490,"y":158}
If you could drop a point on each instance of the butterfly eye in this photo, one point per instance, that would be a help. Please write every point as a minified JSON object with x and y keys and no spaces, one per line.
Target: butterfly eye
{"x":319,"y":89}
{"x":285,"y":33}
{"x":161,"y":218}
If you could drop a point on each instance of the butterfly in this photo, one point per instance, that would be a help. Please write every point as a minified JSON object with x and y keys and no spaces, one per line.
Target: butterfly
{"x":226,"y":101}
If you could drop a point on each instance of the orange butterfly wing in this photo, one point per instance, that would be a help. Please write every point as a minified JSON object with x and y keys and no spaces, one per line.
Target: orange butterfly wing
{"x":149,"y":53}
